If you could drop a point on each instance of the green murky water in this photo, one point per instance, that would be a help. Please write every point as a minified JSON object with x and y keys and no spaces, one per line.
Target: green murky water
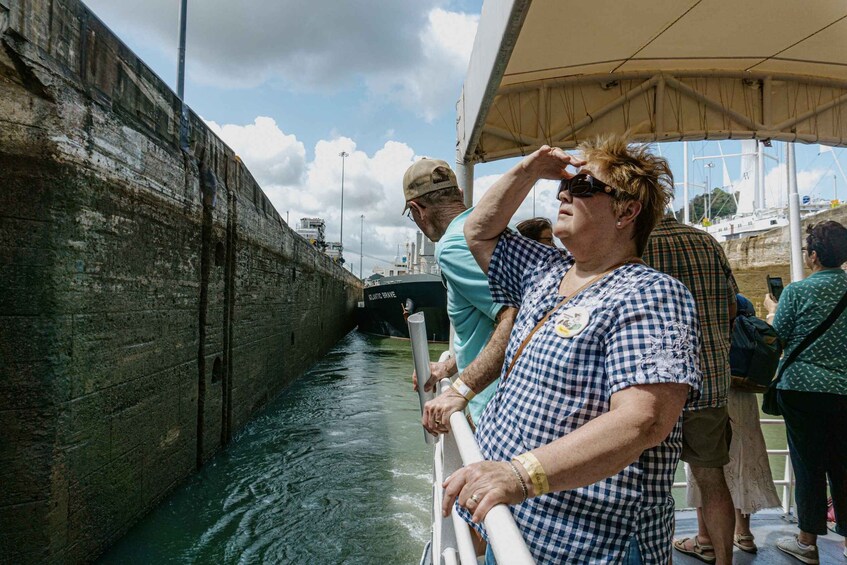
{"x":334,"y":471}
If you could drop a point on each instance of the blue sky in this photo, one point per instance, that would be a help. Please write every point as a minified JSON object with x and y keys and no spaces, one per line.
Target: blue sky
{"x":289,"y":84}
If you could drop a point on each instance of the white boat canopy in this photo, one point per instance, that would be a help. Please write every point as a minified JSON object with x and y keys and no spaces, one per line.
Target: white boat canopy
{"x":558,"y":71}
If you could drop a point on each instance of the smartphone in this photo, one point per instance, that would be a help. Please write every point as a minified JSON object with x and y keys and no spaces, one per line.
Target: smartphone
{"x":775,"y":286}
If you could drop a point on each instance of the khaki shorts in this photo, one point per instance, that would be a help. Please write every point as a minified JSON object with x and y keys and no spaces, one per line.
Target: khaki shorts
{"x":706,"y":435}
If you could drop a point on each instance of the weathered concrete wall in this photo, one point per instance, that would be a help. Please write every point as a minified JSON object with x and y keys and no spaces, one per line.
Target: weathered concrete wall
{"x":773,"y":247}
{"x":152,"y":298}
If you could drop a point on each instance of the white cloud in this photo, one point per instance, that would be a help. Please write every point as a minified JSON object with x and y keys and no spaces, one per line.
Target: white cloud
{"x":434,"y":81}
{"x":776,"y":193}
{"x":297,"y":188}
{"x":412,"y":51}
{"x":274,"y":158}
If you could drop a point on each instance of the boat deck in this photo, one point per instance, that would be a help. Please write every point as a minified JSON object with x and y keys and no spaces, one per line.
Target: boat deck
{"x":767,"y":526}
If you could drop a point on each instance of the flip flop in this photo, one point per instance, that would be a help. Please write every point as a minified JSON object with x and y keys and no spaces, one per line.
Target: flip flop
{"x":744,"y":542}
{"x":698,"y":550}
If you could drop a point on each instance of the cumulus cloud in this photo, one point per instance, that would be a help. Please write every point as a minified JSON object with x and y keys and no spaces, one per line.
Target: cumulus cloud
{"x":300,"y":188}
{"x":274,"y":158}
{"x":433,"y":81}
{"x":776,"y":192}
{"x":410,"y":50}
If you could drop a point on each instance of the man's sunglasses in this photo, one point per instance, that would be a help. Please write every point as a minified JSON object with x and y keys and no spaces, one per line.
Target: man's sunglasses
{"x":584,"y":185}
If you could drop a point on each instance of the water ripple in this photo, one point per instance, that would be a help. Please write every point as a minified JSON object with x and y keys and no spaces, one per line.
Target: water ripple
{"x":334,"y":471}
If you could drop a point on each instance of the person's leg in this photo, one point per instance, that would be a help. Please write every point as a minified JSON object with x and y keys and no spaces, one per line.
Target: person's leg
{"x":743,"y":538}
{"x":718,"y":511}
{"x":706,"y":437}
{"x":807,"y":442}
{"x":837,"y":469}
{"x":633,"y":553}
{"x":702,"y":539}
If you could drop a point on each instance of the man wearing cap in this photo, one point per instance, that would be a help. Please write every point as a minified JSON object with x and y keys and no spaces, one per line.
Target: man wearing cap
{"x":436,"y":205}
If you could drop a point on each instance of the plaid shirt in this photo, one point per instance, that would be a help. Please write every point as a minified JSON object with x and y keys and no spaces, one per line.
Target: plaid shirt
{"x":698,"y":261}
{"x":642,"y":330}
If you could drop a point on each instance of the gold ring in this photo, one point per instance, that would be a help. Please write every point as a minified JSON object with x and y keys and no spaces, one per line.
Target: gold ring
{"x":438,"y":422}
{"x":475,"y":497}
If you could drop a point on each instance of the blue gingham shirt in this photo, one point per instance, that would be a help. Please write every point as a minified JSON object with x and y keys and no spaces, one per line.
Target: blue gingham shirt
{"x":643,"y":329}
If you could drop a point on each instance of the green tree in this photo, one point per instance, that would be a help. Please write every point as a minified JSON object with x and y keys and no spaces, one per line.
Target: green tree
{"x":723,"y":205}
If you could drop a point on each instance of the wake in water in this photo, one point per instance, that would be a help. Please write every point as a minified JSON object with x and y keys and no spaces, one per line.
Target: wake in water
{"x":334,"y":471}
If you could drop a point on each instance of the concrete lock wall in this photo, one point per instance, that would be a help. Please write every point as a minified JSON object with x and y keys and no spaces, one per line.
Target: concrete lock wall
{"x":152,"y":298}
{"x":773,"y":247}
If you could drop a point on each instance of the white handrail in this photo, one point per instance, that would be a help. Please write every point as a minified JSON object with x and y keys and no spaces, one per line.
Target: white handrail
{"x":503,"y":534}
{"x":451,"y":538}
{"x":787,"y":483}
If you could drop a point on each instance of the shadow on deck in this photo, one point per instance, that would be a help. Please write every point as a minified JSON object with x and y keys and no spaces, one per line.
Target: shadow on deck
{"x":767,"y":526}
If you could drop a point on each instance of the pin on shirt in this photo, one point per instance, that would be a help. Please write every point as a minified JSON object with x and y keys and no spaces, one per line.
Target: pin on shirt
{"x":572,"y":321}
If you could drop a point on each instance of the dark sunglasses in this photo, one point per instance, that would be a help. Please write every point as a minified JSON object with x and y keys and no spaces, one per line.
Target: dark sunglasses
{"x":584,"y":186}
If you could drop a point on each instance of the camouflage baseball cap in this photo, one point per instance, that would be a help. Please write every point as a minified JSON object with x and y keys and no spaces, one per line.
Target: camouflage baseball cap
{"x":425,"y":176}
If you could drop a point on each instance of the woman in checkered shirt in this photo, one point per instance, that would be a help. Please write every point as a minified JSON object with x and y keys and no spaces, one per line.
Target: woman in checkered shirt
{"x":583,"y":435}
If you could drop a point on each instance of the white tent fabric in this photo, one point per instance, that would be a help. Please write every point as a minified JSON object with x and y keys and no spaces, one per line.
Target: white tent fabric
{"x":558,"y":71}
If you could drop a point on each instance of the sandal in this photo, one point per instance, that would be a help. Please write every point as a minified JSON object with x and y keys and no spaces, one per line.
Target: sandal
{"x":744,"y":542}
{"x":705,"y":553}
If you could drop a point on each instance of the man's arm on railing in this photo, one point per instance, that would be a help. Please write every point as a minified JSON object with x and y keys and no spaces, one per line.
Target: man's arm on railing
{"x":478,"y":375}
{"x":640,"y":417}
{"x":491,"y":216}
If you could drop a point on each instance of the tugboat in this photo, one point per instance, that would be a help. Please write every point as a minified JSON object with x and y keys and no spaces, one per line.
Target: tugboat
{"x":413,"y":284}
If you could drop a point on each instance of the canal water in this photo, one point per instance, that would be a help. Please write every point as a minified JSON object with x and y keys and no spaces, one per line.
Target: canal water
{"x":334,"y":471}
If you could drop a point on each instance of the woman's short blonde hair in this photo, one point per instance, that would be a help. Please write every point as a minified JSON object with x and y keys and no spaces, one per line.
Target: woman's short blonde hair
{"x":638,"y":174}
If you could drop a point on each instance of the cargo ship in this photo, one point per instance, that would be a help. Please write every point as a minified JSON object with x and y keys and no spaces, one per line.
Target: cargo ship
{"x":413,"y":284}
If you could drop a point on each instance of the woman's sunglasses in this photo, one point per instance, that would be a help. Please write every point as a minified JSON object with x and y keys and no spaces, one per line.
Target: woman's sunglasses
{"x":584,"y":185}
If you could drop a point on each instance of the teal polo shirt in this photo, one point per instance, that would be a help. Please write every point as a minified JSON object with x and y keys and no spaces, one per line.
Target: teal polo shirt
{"x":803,"y":305}
{"x":469,"y":304}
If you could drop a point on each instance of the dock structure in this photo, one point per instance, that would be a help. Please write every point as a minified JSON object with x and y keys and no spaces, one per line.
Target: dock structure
{"x":153,"y":298}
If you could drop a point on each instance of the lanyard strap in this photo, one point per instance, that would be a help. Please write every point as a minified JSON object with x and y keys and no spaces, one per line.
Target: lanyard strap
{"x":559,"y":305}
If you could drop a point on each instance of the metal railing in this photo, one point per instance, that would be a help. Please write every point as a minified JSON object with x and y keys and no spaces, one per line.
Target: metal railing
{"x":787,"y":482}
{"x":451,"y":540}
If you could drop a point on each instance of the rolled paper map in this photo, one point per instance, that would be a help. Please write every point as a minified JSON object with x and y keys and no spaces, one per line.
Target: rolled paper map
{"x":420,"y":357}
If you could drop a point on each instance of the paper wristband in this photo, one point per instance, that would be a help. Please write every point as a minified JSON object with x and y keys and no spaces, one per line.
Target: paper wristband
{"x":535,"y":471}
{"x":463,"y":389}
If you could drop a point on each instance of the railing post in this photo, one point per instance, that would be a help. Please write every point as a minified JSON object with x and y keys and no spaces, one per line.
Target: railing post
{"x":787,"y":490}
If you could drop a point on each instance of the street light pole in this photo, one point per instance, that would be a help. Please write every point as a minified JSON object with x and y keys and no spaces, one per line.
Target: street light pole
{"x":343,"y":156}
{"x":180,"y":76}
{"x":361,"y":243}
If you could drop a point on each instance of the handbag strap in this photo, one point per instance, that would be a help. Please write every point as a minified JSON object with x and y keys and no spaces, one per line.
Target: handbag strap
{"x":809,"y":339}
{"x":553,"y":310}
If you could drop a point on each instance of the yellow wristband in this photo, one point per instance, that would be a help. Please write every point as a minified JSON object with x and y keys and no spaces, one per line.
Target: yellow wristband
{"x":463,"y":389}
{"x":535,"y":471}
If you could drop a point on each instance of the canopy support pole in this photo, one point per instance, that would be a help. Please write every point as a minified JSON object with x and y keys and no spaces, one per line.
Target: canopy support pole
{"x":464,"y":174}
{"x":794,"y":216}
{"x":687,"y":213}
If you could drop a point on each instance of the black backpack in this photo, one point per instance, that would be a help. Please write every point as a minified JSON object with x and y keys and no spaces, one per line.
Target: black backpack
{"x":754,"y":354}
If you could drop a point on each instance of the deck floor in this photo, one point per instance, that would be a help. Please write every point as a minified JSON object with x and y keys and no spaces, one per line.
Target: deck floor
{"x":767,"y":526}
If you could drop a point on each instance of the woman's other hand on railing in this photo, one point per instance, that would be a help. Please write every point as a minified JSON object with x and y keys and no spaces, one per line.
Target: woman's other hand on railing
{"x":479,"y":487}
{"x":436,"y":414}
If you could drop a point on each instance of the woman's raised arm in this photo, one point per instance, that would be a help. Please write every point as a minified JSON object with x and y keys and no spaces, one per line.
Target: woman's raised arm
{"x":491,"y":216}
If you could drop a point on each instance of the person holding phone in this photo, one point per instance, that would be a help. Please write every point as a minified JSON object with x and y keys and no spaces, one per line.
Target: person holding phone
{"x":812,"y":392}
